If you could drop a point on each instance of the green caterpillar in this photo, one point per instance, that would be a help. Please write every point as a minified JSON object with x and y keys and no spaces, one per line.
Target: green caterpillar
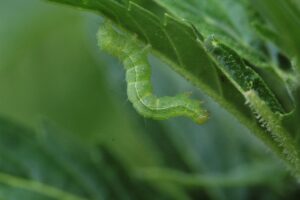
{"x":138,"y":77}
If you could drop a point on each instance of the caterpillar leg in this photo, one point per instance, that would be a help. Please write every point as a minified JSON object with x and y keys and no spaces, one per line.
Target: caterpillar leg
{"x":138,"y":77}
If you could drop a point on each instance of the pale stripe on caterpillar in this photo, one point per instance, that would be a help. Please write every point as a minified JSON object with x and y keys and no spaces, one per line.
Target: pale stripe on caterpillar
{"x":138,"y":77}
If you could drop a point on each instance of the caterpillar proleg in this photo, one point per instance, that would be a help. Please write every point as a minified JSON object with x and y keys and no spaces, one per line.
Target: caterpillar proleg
{"x":138,"y":77}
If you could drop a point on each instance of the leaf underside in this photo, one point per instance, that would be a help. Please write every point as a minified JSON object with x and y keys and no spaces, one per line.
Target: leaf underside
{"x":176,"y":31}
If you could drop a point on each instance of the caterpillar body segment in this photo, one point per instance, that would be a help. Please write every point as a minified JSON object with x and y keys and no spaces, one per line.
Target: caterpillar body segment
{"x":134,"y":57}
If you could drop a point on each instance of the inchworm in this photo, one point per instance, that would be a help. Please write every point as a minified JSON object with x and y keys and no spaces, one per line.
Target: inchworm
{"x":138,"y":77}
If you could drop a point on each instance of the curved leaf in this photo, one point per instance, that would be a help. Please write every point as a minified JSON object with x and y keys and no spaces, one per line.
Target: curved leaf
{"x":177,"y":43}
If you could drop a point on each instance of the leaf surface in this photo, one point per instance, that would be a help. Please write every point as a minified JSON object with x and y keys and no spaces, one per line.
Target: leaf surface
{"x":180,"y":44}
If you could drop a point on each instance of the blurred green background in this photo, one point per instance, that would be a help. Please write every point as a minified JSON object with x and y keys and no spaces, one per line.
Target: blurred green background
{"x":68,"y":126}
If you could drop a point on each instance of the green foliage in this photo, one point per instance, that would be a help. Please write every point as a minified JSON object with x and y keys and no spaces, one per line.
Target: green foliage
{"x":244,"y":55}
{"x":171,"y":38}
{"x":52,"y":165}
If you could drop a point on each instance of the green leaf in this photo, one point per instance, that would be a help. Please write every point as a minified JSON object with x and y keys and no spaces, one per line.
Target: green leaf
{"x":238,"y":34}
{"x":284,"y":16}
{"x":26,"y":166}
{"x":35,"y":189}
{"x":242,"y":176}
{"x":179,"y":44}
{"x":57,"y":165}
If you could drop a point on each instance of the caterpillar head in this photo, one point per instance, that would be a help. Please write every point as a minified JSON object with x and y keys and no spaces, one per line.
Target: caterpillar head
{"x":110,"y":40}
{"x":105,"y":36}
